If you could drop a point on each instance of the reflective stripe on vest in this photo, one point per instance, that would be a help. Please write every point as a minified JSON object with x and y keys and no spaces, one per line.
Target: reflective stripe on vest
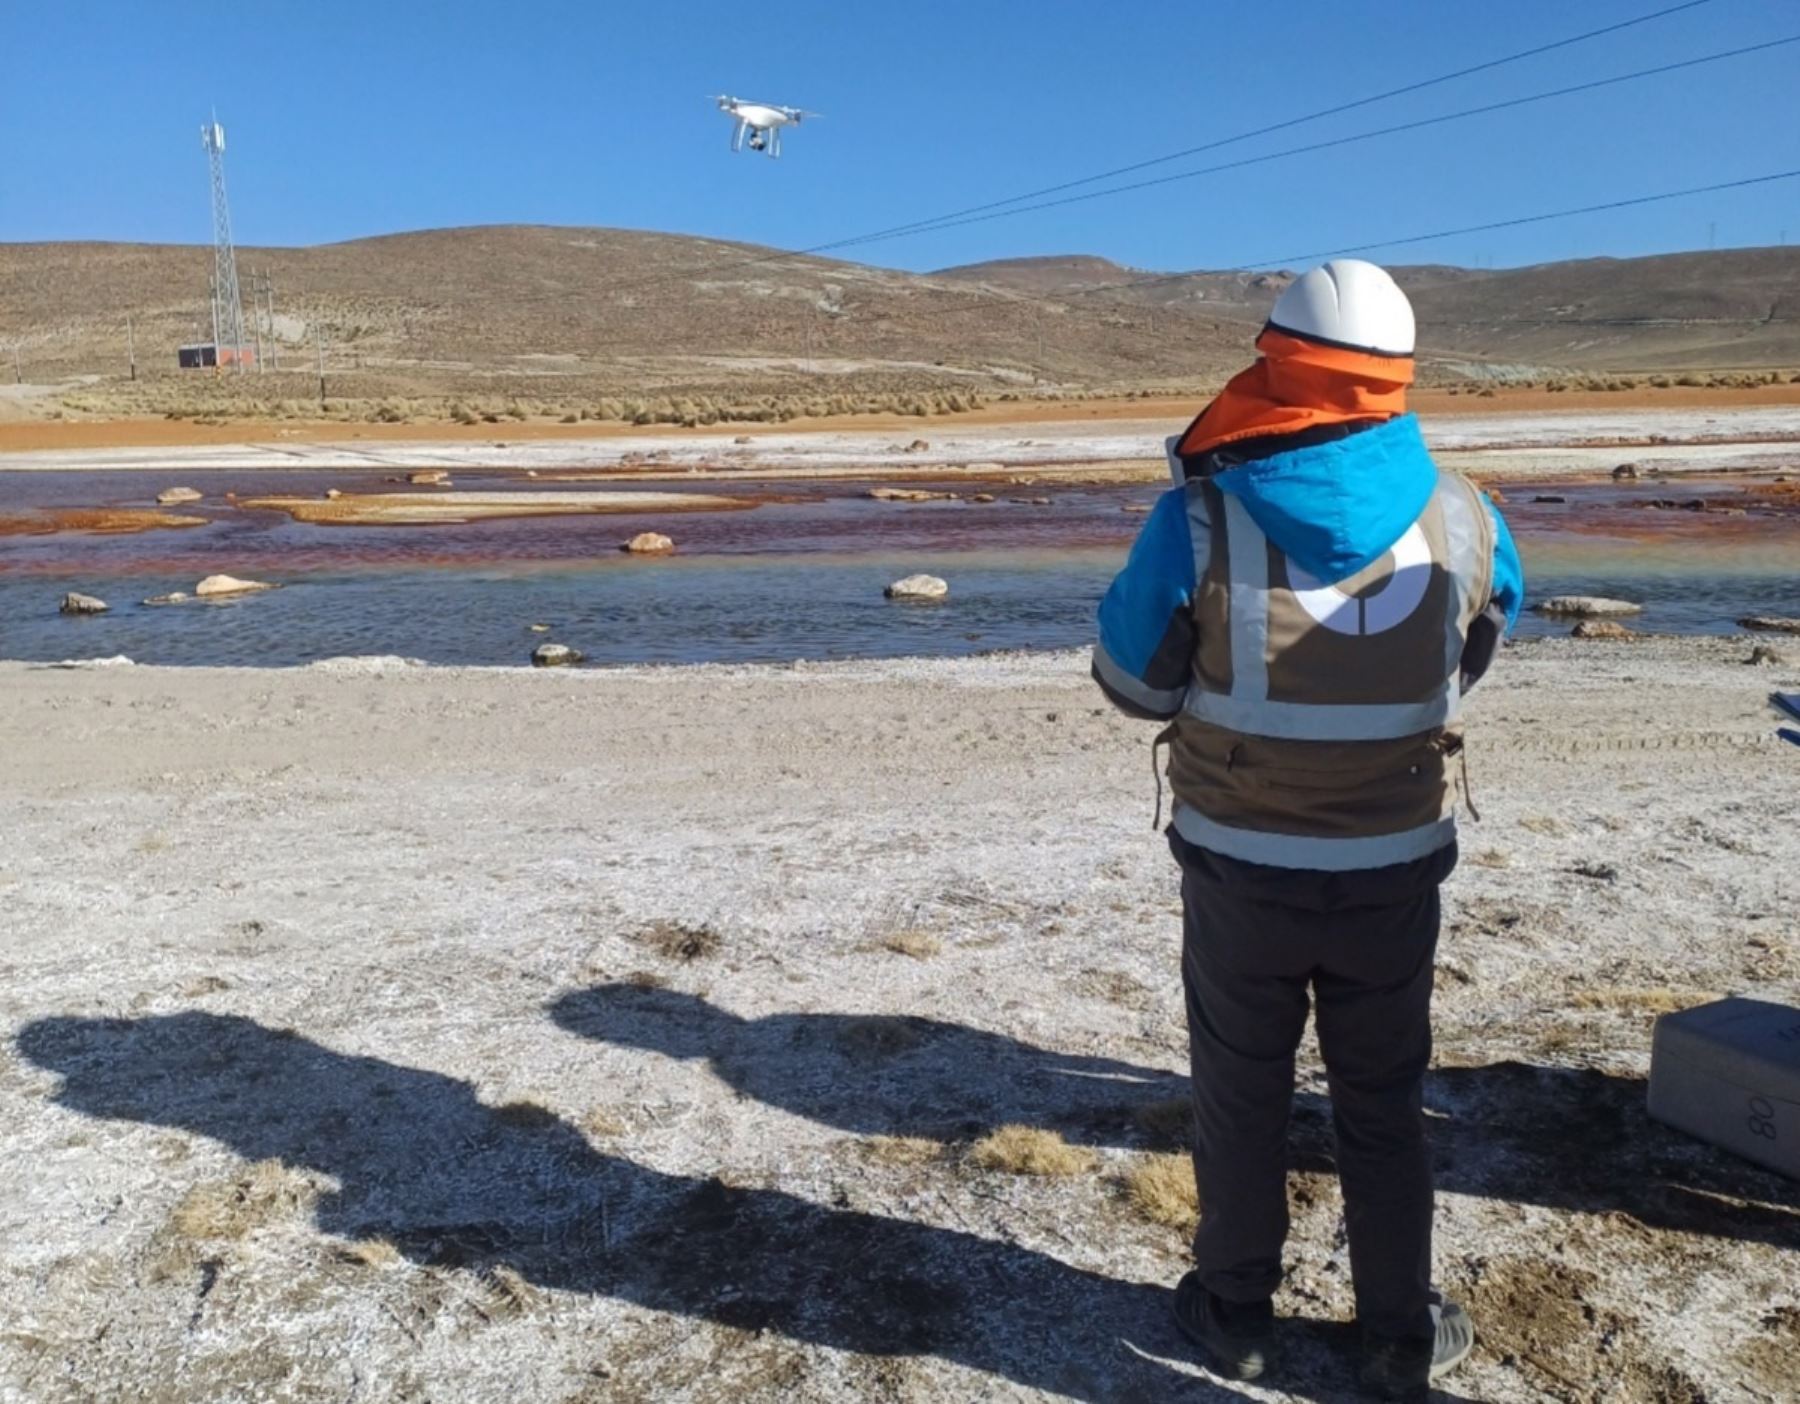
{"x":1332,"y":855}
{"x":1248,"y":706}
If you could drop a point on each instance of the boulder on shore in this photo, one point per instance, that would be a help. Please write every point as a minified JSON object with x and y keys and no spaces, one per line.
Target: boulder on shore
{"x":76,"y":603}
{"x":649,"y":543}
{"x":1624,"y":471}
{"x":1769,"y":624}
{"x":216,"y":585}
{"x":917,"y":587}
{"x":170,"y":497}
{"x":1586,"y":606}
{"x":554,"y":655}
{"x":1600,"y":629}
{"x":1762,"y":655}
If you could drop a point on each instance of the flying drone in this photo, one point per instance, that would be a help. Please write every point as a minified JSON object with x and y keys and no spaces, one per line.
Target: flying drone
{"x":762,"y":122}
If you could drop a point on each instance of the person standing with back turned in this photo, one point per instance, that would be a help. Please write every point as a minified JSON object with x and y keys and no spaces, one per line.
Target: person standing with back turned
{"x":1306,"y":607}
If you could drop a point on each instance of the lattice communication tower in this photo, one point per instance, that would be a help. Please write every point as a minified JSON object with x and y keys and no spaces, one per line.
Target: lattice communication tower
{"x":229,"y":339}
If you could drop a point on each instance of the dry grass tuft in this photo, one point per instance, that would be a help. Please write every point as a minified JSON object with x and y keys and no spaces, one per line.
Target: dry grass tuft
{"x":673,"y":940}
{"x":1030,"y":1150}
{"x":375,"y":1253}
{"x":1655,"y":1001}
{"x":1160,"y":1188}
{"x":507,"y":1294}
{"x":900,"y":1150}
{"x":1547,"y":824}
{"x":205,"y":985}
{"x":920,"y":945}
{"x":602,"y":1123}
{"x":234,"y":1208}
{"x":1491,"y":858}
{"x":1171,"y":1122}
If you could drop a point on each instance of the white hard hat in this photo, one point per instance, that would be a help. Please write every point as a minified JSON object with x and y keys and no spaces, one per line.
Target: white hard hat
{"x":1347,"y":303}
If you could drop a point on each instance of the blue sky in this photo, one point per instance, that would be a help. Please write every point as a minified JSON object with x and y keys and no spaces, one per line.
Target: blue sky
{"x":350,"y":119}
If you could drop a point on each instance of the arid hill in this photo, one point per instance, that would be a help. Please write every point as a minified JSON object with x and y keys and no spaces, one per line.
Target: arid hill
{"x":457,"y":308}
{"x":1731,"y":308}
{"x":568,"y":316}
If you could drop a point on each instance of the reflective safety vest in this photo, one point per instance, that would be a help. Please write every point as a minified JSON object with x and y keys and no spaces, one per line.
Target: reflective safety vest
{"x":1321,"y":715}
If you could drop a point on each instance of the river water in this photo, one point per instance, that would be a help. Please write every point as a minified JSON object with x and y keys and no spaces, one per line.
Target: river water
{"x":799,"y":576}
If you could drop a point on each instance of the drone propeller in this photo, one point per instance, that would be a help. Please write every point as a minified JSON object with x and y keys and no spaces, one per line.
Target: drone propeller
{"x":799,"y":113}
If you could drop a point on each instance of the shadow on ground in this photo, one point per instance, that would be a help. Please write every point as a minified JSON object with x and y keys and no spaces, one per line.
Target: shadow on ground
{"x":1566,"y":1138}
{"x":893,"y":1075}
{"x":423,"y":1163}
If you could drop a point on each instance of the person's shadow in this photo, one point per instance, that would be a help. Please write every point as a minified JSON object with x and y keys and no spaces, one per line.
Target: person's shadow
{"x":1567,"y":1138}
{"x":421,"y":1162}
{"x":881,"y":1074}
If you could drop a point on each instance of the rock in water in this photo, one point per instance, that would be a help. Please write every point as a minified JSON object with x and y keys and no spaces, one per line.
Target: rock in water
{"x":1586,"y":606}
{"x":169,"y":497}
{"x":429,"y":477}
{"x":1624,"y":471}
{"x":178,"y":597}
{"x":74,"y":603}
{"x":554,"y":655}
{"x":897,"y":494}
{"x":215,"y":585}
{"x":1770,"y":624}
{"x":649,"y":543}
{"x":917,"y":587}
{"x":1600,"y":629}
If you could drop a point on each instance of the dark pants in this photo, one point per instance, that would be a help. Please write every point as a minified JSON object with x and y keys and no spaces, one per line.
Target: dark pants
{"x":1257,"y":941}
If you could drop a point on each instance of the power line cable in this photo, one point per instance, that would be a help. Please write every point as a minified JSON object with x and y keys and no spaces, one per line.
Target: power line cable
{"x":1370,"y":135}
{"x":1255,"y":132}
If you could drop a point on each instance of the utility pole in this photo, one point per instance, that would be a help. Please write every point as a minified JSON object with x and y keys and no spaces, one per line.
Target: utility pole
{"x":18,"y":375}
{"x":256,"y":320}
{"x":319,"y":342}
{"x":1712,"y":231}
{"x":130,"y":346}
{"x":274,"y":341}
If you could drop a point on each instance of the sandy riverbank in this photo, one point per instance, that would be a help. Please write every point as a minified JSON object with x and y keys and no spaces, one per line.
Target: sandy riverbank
{"x":396,"y":1033}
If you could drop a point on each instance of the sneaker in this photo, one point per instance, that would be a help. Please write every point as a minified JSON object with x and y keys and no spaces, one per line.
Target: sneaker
{"x":1236,"y":1336}
{"x":1396,"y":1369}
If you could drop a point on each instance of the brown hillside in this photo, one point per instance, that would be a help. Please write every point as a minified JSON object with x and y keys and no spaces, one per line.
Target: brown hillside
{"x":1731,"y":308}
{"x":456,"y":309}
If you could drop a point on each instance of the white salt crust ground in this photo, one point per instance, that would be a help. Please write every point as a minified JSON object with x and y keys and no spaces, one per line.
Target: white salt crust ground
{"x":384,"y":1033}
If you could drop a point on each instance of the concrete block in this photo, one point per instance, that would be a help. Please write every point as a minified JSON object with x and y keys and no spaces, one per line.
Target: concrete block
{"x":1729,"y":1073}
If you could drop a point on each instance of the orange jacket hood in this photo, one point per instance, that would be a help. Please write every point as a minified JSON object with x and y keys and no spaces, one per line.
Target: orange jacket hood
{"x":1298,"y":384}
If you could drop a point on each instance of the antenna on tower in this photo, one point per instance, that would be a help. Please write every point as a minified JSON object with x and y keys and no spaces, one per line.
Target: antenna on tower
{"x":228,"y":305}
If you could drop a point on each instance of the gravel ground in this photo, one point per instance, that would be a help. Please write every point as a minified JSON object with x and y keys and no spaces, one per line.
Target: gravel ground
{"x":387,"y":1033}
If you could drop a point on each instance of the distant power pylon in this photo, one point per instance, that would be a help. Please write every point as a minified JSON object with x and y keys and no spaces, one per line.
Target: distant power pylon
{"x":228,"y":306}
